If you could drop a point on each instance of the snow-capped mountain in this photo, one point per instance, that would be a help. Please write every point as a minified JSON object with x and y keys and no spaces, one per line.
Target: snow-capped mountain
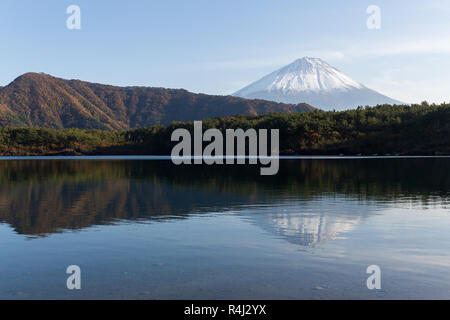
{"x":315,"y":82}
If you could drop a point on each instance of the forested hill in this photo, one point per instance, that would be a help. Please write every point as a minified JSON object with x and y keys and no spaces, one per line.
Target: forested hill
{"x":40,"y":100}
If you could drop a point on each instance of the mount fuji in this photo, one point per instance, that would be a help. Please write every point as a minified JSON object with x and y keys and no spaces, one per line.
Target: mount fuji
{"x":315,"y":82}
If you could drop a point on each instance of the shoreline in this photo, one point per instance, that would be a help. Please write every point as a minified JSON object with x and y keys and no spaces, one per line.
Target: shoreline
{"x":166,"y":157}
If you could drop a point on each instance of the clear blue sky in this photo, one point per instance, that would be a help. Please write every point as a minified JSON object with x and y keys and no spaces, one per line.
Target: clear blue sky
{"x":217,"y":47}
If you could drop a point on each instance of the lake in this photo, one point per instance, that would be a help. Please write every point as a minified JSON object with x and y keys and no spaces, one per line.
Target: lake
{"x":143,"y":228}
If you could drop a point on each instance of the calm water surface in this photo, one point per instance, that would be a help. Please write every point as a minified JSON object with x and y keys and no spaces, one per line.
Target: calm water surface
{"x":147,"y":229}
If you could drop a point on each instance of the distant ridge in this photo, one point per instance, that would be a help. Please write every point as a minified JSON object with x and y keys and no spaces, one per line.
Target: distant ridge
{"x":37,"y":99}
{"x":313,"y":81}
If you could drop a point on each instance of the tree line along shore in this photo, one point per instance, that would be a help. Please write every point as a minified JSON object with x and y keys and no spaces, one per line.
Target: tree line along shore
{"x":419,"y":129}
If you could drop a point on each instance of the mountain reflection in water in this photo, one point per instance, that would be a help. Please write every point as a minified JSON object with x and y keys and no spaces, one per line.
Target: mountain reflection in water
{"x":41,"y":197}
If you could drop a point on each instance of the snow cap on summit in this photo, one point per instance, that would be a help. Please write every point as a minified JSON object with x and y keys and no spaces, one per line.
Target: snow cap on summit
{"x":313,"y":81}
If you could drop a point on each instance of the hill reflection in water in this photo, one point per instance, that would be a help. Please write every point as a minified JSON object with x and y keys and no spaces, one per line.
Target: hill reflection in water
{"x":40,"y":197}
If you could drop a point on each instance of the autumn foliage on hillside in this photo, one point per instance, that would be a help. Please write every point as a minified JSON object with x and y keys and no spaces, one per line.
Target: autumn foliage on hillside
{"x":40,"y":100}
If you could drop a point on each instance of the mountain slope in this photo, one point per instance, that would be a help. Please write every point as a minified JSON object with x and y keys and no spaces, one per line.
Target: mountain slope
{"x":313,"y":81}
{"x":42,"y":100}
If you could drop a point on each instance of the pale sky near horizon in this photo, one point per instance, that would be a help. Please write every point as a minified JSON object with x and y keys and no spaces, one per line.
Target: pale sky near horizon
{"x":217,"y":47}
